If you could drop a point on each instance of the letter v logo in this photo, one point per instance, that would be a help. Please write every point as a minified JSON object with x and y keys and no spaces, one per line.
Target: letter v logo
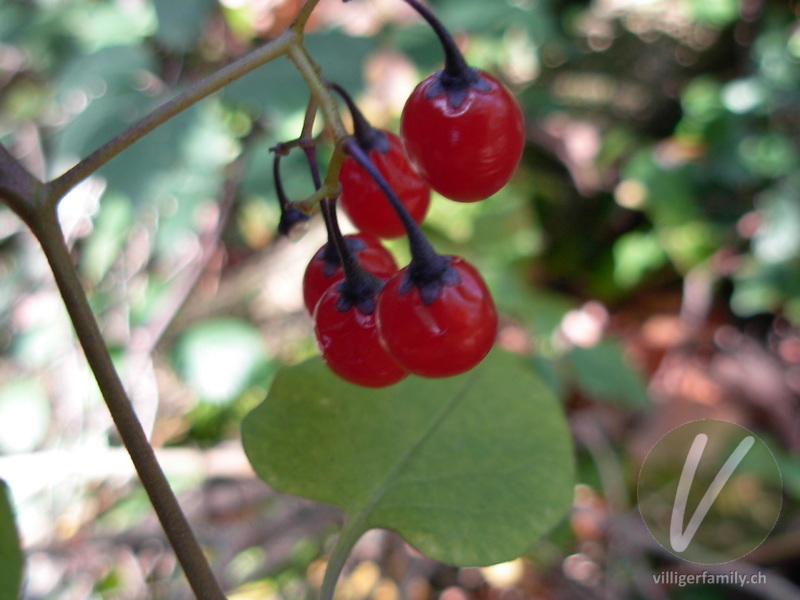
{"x":680,"y":540}
{"x":698,"y":487}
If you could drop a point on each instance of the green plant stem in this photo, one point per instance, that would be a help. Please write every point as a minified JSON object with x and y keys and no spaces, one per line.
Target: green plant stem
{"x":57,"y":188}
{"x":302,"y":17}
{"x":310,"y":72}
{"x":187,"y":550}
{"x":310,"y":117}
{"x":351,"y":532}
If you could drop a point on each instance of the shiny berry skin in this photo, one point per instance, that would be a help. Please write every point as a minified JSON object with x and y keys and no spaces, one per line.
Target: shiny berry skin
{"x":448,"y":336}
{"x":366,"y":205}
{"x":321,"y":274}
{"x":466,"y":150}
{"x":348,"y":343}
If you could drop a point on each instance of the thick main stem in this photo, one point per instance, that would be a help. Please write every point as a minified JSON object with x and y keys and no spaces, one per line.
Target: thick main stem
{"x":366,"y":135}
{"x":187,"y":550}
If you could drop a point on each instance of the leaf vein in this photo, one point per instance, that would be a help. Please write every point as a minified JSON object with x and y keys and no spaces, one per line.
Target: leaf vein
{"x":463,"y":475}
{"x":386,"y":483}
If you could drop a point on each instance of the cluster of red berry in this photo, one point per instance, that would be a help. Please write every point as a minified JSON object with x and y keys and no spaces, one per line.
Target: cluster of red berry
{"x":461,"y":134}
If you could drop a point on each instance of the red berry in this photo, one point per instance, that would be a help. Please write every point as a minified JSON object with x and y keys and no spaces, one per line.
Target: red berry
{"x":364,"y":202}
{"x":348,"y":343}
{"x":324,"y":270}
{"x":466,"y":150}
{"x":447,"y":336}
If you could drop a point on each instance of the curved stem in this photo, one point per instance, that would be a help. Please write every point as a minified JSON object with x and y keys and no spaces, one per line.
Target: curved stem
{"x":310,"y":150}
{"x":280,"y":193}
{"x":310,"y":72}
{"x":290,"y":216}
{"x":454,"y":63}
{"x":331,"y":253}
{"x":421,"y":249}
{"x":355,"y":277}
{"x":187,"y":550}
{"x":367,"y":136}
{"x":310,"y":117}
{"x":58,"y":187}
{"x":351,"y":532}
{"x":428,"y":270}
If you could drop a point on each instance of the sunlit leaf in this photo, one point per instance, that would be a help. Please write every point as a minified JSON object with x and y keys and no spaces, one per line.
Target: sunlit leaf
{"x":24,"y":415}
{"x":471,"y":470}
{"x":219,"y":357}
{"x":636,"y":254}
{"x":778,"y":235}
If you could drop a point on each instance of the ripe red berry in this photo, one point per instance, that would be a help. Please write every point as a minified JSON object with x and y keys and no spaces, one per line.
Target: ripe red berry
{"x":462,"y":130}
{"x":325,"y":269}
{"x":347,"y":338}
{"x":364,"y":202}
{"x":467,"y":151}
{"x":449,"y":334}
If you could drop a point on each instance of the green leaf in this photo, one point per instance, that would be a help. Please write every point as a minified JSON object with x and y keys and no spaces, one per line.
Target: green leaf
{"x":603,"y":373}
{"x":470,"y":470}
{"x":10,"y":553}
